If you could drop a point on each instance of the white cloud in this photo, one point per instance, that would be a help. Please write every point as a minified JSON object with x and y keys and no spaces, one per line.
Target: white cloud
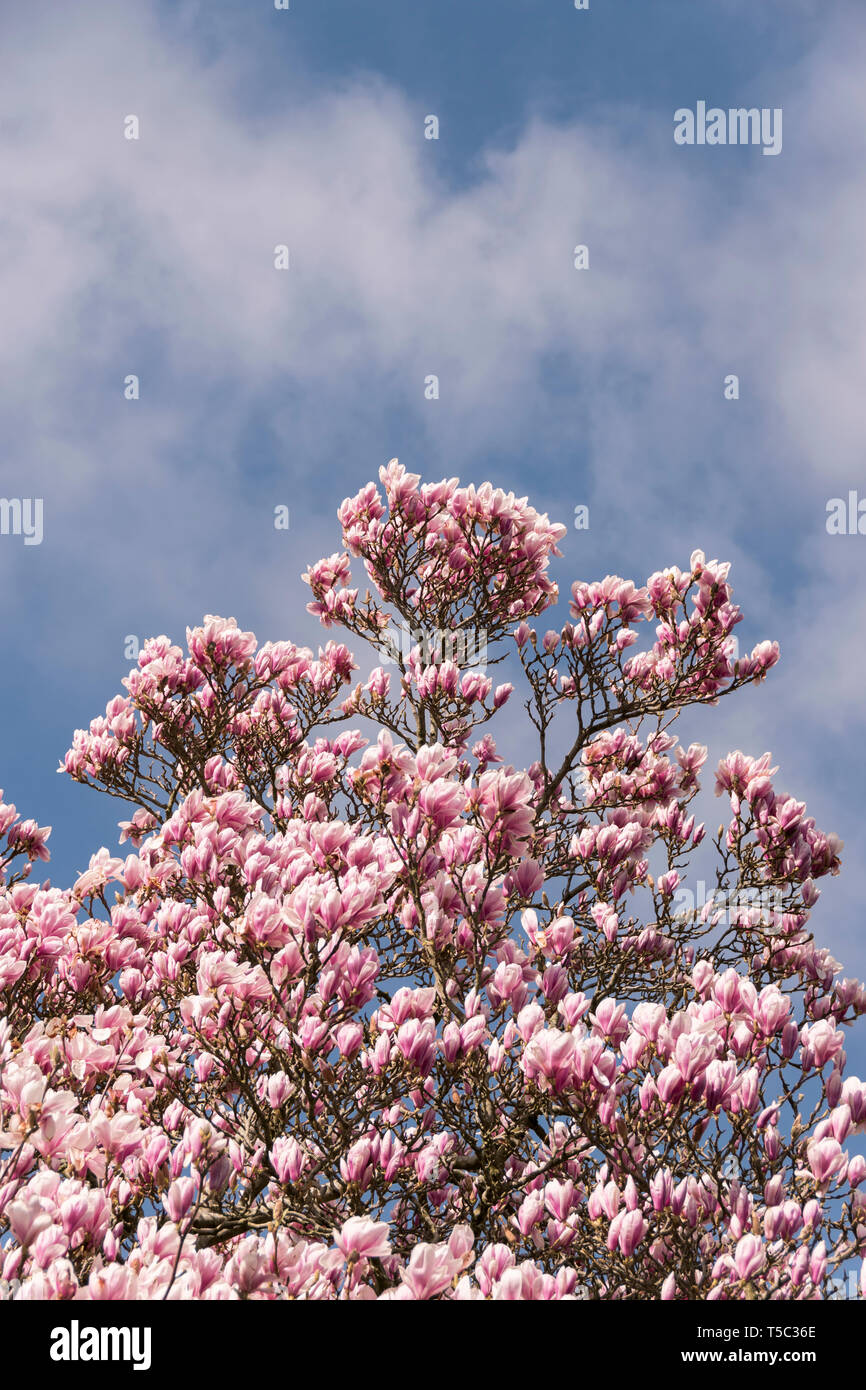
{"x":608,"y":383}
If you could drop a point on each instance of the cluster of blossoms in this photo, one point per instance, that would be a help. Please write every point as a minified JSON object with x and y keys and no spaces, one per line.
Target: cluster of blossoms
{"x":386,"y":1017}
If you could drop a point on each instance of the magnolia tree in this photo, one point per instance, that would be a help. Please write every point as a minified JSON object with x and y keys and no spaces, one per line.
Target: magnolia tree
{"x":388,"y":1018}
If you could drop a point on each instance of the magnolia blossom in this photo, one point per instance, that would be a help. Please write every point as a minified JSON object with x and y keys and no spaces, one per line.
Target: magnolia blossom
{"x":382,"y":1016}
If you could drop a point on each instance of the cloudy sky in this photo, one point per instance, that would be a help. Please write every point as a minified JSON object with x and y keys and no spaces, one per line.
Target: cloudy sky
{"x":411,"y":257}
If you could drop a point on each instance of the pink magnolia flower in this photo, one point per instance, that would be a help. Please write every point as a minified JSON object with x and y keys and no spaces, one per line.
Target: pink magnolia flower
{"x":825,"y":1158}
{"x":429,"y":1271}
{"x":749,"y":1256}
{"x":362,"y":1238}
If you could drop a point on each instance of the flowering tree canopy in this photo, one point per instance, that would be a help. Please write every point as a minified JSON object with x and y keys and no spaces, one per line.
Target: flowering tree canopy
{"x":385,"y":1017}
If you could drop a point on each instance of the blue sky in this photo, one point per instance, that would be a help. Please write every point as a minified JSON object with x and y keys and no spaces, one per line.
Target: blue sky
{"x":411,"y":257}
